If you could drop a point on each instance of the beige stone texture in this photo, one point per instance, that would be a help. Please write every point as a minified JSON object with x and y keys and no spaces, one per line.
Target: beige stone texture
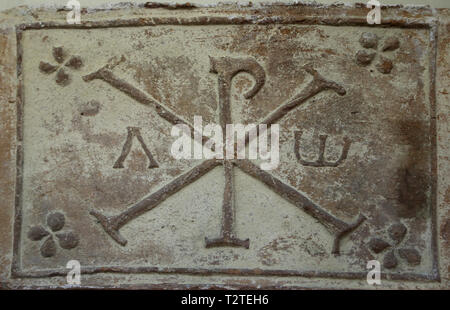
{"x":72,"y":95}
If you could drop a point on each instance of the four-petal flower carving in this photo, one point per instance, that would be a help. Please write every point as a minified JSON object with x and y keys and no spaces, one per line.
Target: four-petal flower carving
{"x":397,"y":234}
{"x":56,"y":222}
{"x":62,"y":78}
{"x":370,"y":42}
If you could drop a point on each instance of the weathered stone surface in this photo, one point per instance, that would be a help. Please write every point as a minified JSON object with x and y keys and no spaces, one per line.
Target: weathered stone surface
{"x":86,"y":171}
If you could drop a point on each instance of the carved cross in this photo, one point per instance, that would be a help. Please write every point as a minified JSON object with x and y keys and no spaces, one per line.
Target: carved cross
{"x":226,"y":69}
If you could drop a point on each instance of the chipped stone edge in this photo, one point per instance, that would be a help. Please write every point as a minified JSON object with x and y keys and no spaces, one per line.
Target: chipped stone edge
{"x":430,"y":21}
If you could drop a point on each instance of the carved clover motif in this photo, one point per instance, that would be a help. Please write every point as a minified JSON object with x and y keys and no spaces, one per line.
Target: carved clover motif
{"x":397,"y":233}
{"x":366,"y":56}
{"x":62,"y":78}
{"x":55,"y":221}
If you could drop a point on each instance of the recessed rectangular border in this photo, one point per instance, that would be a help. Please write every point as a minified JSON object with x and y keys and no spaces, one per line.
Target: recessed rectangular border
{"x":261,"y":18}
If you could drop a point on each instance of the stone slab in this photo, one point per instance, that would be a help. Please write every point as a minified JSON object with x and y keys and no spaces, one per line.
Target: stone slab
{"x":87,"y":173}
